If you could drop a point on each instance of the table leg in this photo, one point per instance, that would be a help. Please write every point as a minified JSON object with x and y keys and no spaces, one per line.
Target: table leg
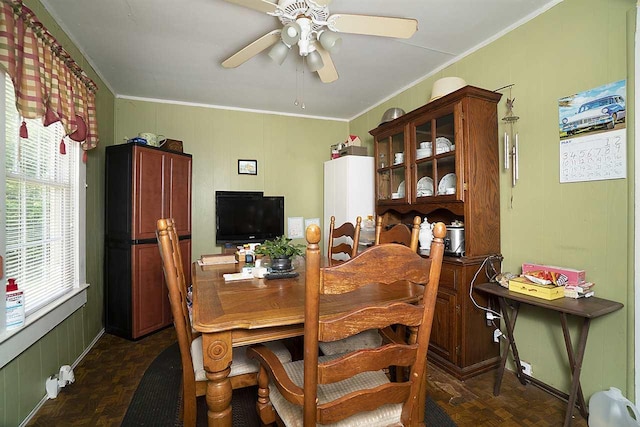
{"x":584,"y":410}
{"x":217,"y":352}
{"x":510,"y":324}
{"x":576,"y":367}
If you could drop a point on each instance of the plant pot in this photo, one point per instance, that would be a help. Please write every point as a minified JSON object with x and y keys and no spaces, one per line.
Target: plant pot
{"x":280,"y":264}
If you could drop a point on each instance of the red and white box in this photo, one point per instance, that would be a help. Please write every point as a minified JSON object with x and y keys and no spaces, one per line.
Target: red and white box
{"x":353,"y":140}
{"x":574,"y":276}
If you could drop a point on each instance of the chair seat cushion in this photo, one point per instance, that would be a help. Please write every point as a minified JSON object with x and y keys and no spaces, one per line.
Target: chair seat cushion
{"x":241,"y":364}
{"x":365,"y":339}
{"x":291,"y":414}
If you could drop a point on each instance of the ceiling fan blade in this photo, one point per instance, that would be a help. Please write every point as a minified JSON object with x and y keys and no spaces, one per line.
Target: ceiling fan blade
{"x":401,"y":28}
{"x":328,"y":72}
{"x":259,"y":5}
{"x":251,"y":50}
{"x":319,"y":3}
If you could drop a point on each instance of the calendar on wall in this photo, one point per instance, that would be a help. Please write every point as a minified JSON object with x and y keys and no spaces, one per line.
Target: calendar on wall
{"x":592,"y":158}
{"x":593,"y":134}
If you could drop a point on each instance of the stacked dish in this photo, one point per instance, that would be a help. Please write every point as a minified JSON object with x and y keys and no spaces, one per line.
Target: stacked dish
{"x":443,"y":145}
{"x":421,"y":153}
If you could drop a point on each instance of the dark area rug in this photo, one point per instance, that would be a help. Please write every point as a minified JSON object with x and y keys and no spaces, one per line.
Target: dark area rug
{"x":156,"y":401}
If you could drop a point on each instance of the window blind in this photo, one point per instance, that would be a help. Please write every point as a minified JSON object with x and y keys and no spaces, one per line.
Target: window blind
{"x":40,"y":207}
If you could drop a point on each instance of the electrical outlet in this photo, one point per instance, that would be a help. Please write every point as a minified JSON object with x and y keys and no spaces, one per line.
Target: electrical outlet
{"x":309,"y":221}
{"x":490,"y":318}
{"x":489,"y":323}
{"x":295,"y":227}
{"x":526,"y":368}
{"x":496,"y":335}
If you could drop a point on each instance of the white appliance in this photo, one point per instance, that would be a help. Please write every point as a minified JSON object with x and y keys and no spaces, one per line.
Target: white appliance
{"x":348,"y":191}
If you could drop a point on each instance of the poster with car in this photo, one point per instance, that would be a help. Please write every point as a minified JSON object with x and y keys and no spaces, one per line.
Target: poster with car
{"x":593,"y":135}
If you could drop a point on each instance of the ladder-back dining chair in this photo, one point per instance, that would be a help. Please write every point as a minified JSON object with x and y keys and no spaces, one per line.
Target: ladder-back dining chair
{"x":194,"y":381}
{"x":352,"y":389}
{"x":343,"y":241}
{"x":399,"y":233}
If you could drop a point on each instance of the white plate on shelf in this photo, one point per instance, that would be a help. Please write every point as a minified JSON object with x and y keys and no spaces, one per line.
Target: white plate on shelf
{"x":443,"y":141}
{"x":401,"y":189}
{"x":443,"y":145}
{"x":447,"y":181}
{"x":425,"y":186}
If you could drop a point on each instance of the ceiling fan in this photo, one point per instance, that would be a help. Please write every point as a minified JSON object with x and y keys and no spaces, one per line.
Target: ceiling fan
{"x":307,"y":24}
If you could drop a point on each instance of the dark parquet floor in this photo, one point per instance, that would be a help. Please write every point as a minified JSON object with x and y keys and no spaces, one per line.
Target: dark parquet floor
{"x":109,"y":374}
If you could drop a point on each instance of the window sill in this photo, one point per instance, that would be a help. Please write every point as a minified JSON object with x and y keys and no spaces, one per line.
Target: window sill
{"x":14,"y":342}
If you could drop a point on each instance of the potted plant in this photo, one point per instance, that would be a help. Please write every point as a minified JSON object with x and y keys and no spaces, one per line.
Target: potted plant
{"x":280,"y":250}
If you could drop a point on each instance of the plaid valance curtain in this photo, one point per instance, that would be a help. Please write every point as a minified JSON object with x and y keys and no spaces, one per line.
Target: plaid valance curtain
{"x":48,"y":83}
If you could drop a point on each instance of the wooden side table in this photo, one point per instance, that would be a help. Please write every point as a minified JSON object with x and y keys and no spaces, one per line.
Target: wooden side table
{"x":585,"y":308}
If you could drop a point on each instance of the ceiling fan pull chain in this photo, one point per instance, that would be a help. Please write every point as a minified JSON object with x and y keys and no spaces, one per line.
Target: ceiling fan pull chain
{"x":296,"y":102}
{"x":304,"y":58}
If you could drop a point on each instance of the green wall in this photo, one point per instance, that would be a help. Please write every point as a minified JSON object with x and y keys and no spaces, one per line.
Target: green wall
{"x":290,"y":152}
{"x":575,"y":46}
{"x":22,"y":381}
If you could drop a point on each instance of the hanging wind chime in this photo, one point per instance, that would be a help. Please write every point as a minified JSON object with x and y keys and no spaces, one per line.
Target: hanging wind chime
{"x":511,"y":140}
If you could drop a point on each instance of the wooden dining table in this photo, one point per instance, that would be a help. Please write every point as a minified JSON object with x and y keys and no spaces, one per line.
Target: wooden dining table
{"x":241,"y":312}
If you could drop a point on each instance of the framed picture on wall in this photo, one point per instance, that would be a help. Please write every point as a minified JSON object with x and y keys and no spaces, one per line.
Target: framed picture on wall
{"x":247,"y":167}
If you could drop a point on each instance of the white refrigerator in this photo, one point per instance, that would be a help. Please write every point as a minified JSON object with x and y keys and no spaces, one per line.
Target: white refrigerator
{"x":348,"y":192}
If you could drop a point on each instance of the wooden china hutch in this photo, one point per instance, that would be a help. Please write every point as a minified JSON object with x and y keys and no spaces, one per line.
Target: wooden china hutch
{"x":449,"y":171}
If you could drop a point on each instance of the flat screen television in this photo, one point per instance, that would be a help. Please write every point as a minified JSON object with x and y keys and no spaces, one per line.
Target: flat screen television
{"x":248,"y":217}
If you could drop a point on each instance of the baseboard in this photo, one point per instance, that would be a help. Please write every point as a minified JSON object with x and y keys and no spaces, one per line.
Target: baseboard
{"x":89,"y":347}
{"x":466,"y":372}
{"x":548,"y":388}
{"x":35,"y":410}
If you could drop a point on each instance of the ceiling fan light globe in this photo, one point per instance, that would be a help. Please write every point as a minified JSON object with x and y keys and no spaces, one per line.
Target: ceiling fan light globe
{"x":330,"y":41}
{"x":291,"y":33}
{"x":278,"y":53}
{"x":315,"y":61}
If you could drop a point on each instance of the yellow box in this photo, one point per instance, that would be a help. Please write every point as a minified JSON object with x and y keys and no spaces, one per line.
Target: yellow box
{"x":524,"y":286}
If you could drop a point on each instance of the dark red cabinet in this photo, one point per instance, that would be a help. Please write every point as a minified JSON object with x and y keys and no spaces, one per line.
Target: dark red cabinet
{"x":142,"y":184}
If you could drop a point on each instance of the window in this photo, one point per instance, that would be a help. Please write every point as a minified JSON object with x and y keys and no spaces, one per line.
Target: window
{"x":42,"y":210}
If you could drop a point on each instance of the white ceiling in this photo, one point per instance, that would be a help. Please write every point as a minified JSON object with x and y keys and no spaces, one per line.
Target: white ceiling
{"x":172,"y":50}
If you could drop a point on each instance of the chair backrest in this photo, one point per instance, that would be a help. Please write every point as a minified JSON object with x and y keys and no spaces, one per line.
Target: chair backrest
{"x":395,"y":266}
{"x":174,"y":278}
{"x":341,"y":233}
{"x":399,"y":233}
